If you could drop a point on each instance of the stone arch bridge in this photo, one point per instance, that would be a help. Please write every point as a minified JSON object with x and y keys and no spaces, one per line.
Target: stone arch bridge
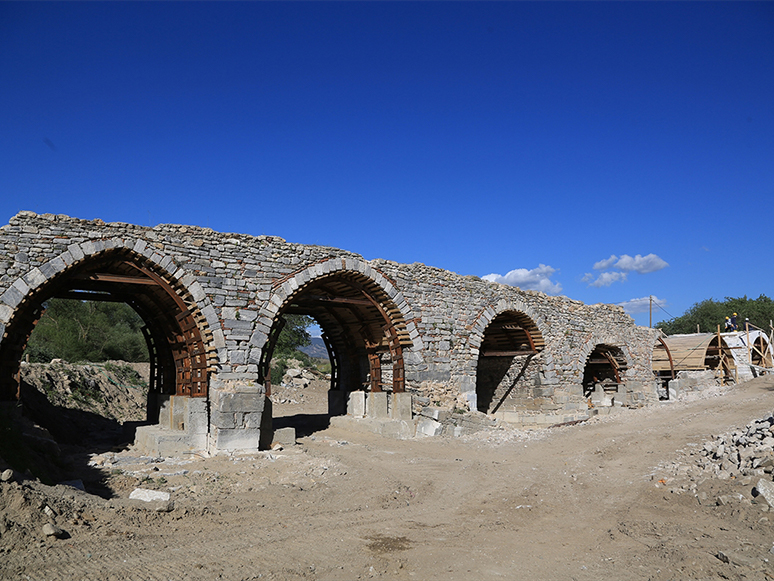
{"x":213,"y":305}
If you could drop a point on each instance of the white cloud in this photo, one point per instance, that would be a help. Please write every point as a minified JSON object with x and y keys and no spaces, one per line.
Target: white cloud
{"x":641,"y":305}
{"x":605,"y":264}
{"x":640,"y":264}
{"x":623,"y":264}
{"x":538,"y":279}
{"x":605,"y":278}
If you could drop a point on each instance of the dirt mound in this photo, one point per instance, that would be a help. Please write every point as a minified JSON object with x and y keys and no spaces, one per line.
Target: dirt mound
{"x":114,"y":390}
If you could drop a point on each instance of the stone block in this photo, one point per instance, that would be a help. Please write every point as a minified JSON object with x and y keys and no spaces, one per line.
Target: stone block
{"x":376,"y":405}
{"x":147,"y":495}
{"x":401,"y":408}
{"x":241,"y":402}
{"x":223,"y":420}
{"x":12,"y":297}
{"x":285,"y":436}
{"x":511,"y":417}
{"x":766,"y":489}
{"x":5,"y":313}
{"x":252,"y":419}
{"x":356,"y":404}
{"x":239,"y":439}
{"x":156,"y":441}
{"x":435,"y":413}
{"x":179,"y":409}
{"x":427,"y":427}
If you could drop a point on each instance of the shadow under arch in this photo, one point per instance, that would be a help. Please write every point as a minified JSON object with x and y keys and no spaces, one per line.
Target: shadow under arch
{"x":605,"y":365}
{"x":364,"y":332}
{"x":175,"y":331}
{"x":510,"y":341}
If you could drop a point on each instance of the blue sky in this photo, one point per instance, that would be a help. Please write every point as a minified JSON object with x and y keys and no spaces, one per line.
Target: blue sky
{"x":603,"y":151}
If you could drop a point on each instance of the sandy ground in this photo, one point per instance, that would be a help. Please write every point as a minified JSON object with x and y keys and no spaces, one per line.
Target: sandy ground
{"x":587,"y":502}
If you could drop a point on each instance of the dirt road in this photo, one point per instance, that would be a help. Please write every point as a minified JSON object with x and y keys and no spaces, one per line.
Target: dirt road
{"x":583,"y":502}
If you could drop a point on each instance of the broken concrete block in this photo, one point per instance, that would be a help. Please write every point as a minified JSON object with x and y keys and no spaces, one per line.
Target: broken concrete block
{"x":428,"y":428}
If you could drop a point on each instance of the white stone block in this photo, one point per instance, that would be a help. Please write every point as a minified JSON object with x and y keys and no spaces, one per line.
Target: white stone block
{"x":356,"y":404}
{"x":376,"y":405}
{"x":148,"y":495}
{"x":428,"y":428}
{"x":401,"y":406}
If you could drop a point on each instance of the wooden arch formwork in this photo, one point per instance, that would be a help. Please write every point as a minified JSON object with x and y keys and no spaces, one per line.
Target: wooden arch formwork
{"x":175,"y":331}
{"x":694,"y":352}
{"x":605,"y":366}
{"x":752,"y":352}
{"x":760,"y":354}
{"x":363,"y":330}
{"x":663,"y":366}
{"x":510,"y":342}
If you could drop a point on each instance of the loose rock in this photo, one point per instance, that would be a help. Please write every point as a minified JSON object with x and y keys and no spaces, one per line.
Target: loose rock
{"x":51,"y":530}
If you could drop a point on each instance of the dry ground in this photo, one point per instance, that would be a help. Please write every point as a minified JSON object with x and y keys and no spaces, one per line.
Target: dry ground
{"x":580,"y":502}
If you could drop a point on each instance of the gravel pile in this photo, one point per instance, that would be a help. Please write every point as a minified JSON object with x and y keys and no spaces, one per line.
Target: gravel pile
{"x":745,"y":452}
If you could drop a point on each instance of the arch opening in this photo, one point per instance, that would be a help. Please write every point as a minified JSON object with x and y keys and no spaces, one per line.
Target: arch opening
{"x":605,"y":367}
{"x":510,"y":343}
{"x":176,"y":345}
{"x":363,"y":331}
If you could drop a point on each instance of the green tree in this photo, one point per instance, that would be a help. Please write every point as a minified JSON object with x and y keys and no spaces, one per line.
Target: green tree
{"x":708,"y":314}
{"x":93,"y":331}
{"x":294,"y":335}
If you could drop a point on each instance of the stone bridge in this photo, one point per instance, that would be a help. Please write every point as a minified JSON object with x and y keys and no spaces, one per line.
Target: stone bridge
{"x":213,"y":305}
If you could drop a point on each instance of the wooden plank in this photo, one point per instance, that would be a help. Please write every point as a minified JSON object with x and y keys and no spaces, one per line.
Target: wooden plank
{"x":121,"y":278}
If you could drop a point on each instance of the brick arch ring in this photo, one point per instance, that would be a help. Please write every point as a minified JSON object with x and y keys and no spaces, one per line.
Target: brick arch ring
{"x":490,"y":312}
{"x":286,"y":288}
{"x":27,"y":284}
{"x":604,"y":339}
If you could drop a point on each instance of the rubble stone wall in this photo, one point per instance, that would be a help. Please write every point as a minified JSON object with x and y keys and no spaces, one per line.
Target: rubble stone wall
{"x":239,"y":283}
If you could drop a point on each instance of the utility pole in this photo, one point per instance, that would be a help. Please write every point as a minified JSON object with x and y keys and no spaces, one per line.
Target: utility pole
{"x":650,"y":320}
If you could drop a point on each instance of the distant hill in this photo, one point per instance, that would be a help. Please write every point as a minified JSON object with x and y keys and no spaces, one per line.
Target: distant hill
{"x":316,"y":349}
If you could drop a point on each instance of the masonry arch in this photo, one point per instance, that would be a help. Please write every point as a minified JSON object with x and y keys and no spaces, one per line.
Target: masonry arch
{"x":363,"y":328}
{"x":176,"y":332}
{"x":509,"y":343}
{"x":605,"y":365}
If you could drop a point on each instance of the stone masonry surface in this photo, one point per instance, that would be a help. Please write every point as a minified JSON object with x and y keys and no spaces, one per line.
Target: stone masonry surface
{"x":239,"y":283}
